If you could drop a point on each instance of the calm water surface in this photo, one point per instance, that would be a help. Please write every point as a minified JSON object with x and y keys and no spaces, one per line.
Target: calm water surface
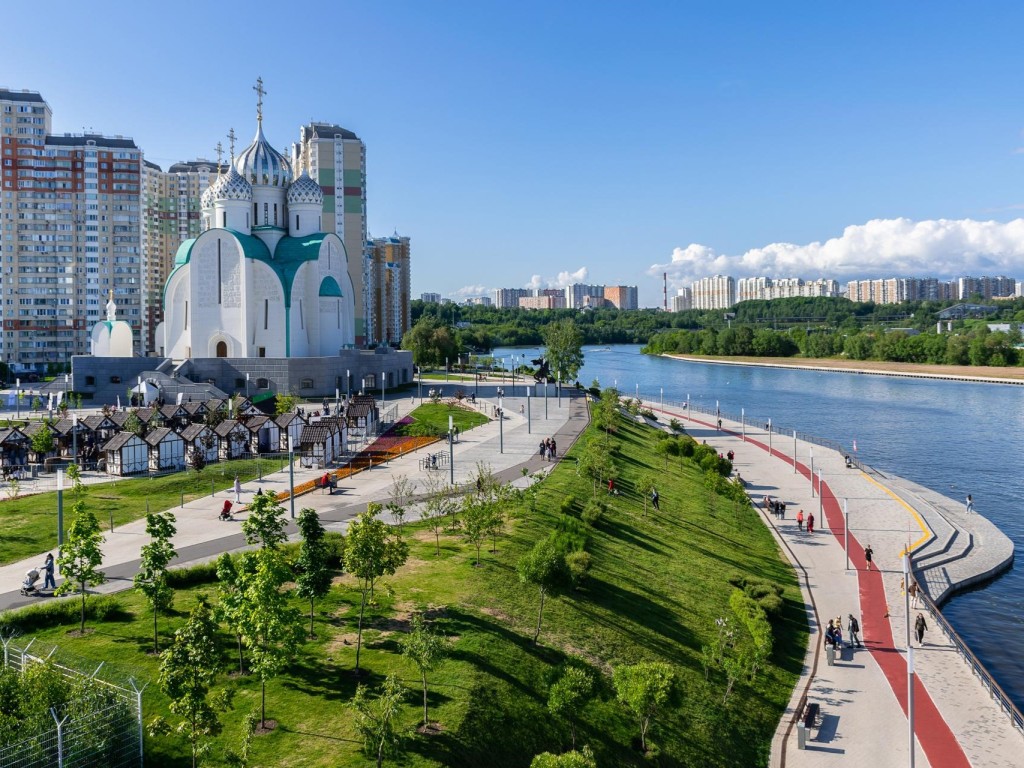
{"x":954,"y":437}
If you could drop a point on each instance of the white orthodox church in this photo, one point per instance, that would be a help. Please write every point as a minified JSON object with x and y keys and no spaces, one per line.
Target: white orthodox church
{"x":112,"y":337}
{"x":262,"y":280}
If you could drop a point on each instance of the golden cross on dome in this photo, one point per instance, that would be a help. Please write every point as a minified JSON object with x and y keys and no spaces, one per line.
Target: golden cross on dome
{"x":260,"y":93}
{"x":231,"y":143}
{"x":219,"y":149}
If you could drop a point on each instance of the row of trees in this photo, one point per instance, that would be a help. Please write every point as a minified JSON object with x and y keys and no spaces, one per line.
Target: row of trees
{"x":977,"y":346}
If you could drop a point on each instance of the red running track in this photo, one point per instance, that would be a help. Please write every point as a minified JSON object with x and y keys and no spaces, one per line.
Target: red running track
{"x":932,"y":731}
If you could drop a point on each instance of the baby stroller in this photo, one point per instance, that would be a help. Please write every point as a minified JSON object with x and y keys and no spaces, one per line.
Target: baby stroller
{"x":225,"y":511}
{"x":28,"y":586}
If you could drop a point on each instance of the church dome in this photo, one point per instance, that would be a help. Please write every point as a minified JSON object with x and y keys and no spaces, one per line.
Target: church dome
{"x":305,"y":190}
{"x":233,"y":187}
{"x":261,"y":164}
{"x":206,"y":199}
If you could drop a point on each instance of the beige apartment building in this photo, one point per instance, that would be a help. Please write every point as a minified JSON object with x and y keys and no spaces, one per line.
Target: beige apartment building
{"x":70,"y":233}
{"x":386,"y":288}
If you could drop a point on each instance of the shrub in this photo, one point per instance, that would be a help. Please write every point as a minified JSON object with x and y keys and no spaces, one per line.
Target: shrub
{"x":647,"y":413}
{"x":59,"y":612}
{"x":579,"y":563}
{"x":193,"y":575}
{"x":570,"y":533}
{"x":687,"y":446}
{"x":766,"y":594}
{"x":593,"y":512}
{"x":675,"y":425}
{"x":568,"y":505}
{"x":709,"y":463}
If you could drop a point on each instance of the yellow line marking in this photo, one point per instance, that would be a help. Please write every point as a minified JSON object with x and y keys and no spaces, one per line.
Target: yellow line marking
{"x":926,"y":532}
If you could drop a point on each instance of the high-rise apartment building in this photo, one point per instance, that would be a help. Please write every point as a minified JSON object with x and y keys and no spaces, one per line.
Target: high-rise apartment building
{"x":986,"y":287}
{"x":542,"y":302}
{"x":718,"y":292}
{"x":386,"y":279}
{"x":70,"y":214}
{"x":171,"y":214}
{"x":894,"y":290}
{"x":430,"y":298}
{"x":683,"y":300}
{"x":621,"y":296}
{"x":577,"y":293}
{"x":767,"y":288}
{"x":336,"y":159}
{"x":505,"y":298}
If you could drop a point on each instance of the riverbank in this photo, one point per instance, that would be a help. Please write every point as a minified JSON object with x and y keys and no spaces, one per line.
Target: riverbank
{"x":976,"y":373}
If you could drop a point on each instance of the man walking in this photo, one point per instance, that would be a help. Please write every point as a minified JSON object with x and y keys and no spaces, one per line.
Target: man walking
{"x":970,"y":505}
{"x":655,"y":499}
{"x":868,"y":554}
{"x":800,"y":519}
{"x":854,"y":627}
{"x":913,"y":590}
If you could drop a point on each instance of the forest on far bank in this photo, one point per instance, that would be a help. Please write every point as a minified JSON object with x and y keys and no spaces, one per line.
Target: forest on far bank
{"x":812,"y":327}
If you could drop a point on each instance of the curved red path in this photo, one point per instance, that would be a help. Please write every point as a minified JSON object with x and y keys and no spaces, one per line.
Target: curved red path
{"x":932,"y":731}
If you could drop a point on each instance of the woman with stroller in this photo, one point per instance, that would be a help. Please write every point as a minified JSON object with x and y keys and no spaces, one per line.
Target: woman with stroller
{"x":49,"y":582}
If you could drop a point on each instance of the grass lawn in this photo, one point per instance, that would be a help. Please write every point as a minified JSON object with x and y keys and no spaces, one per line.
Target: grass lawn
{"x":435,"y":417}
{"x":29,"y":523}
{"x":659,"y":581}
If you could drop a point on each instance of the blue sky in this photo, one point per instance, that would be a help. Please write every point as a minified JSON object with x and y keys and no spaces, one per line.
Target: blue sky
{"x":539,"y":143}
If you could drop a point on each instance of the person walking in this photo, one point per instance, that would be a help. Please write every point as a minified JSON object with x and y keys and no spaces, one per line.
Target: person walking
{"x":854,"y":628}
{"x":48,"y":569}
{"x":913,"y":590}
{"x":970,"y":504}
{"x":655,"y":499}
{"x":868,"y":554}
{"x":810,"y":523}
{"x":919,"y":628}
{"x":238,"y":490}
{"x":800,"y":519}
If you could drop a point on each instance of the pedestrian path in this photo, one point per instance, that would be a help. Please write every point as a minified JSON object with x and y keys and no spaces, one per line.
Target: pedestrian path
{"x":863,"y":697}
{"x":506,"y":447}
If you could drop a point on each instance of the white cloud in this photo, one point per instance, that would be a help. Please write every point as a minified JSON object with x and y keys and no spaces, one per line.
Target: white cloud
{"x":560,"y":281}
{"x":473,"y":290}
{"x":942,"y":248}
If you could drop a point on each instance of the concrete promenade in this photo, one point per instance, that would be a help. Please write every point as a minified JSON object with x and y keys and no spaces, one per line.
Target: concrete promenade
{"x":202,"y":537}
{"x":863,"y":697}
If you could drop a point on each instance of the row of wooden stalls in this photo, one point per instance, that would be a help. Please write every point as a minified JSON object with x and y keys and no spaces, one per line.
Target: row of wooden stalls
{"x":99,"y":441}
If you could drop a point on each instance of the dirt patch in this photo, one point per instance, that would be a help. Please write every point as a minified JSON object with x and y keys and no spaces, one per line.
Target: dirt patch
{"x":431,"y":729}
{"x":341,"y":643}
{"x":500,"y":615}
{"x":594,"y":661}
{"x":267,"y":726}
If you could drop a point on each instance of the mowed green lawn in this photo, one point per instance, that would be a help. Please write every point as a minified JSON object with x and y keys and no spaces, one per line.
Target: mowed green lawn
{"x":29,"y":522}
{"x":657,"y":585}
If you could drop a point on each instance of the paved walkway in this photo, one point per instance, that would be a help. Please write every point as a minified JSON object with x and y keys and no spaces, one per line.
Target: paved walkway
{"x":506,"y":447}
{"x":863,"y":697}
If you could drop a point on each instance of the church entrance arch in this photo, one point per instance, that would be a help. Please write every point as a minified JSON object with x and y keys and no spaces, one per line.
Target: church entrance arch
{"x":222,"y":349}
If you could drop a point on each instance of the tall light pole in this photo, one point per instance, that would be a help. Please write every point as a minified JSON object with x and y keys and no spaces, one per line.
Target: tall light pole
{"x":74,"y":437}
{"x":17,"y":396}
{"x":446,"y":369}
{"x":66,"y":380}
{"x":812,"y":471}
{"x":501,"y":427}
{"x":246,"y":385}
{"x":60,"y":509}
{"x":291,"y":473}
{"x":348,"y":385}
{"x":529,"y":414}
{"x":910,"y":655}
{"x":451,"y":451}
{"x":770,"y":437}
{"x":514,"y":361}
{"x":545,"y":398}
{"x":558,"y":388}
{"x":846,"y":534}
{"x":419,"y":380}
{"x":383,"y":379}
{"x":743,"y":424}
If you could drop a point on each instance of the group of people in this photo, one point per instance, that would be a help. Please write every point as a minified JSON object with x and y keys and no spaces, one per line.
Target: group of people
{"x":834,"y":632}
{"x":548,"y":449}
{"x":800,"y":521}
{"x":775,"y":507}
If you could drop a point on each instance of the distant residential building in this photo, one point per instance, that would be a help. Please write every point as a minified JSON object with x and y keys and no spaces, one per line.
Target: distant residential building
{"x":767,"y":288}
{"x":387,"y":278}
{"x":506,"y":298}
{"x":621,"y":296}
{"x":550,"y":292}
{"x":71,"y":232}
{"x":986,"y":287}
{"x":683,"y":300}
{"x":336,"y":160}
{"x":542,"y":302}
{"x":171,"y":214}
{"x":430,"y":298}
{"x":577,"y":293}
{"x":895,"y":290}
{"x":718,"y":292}
{"x":479,"y":301}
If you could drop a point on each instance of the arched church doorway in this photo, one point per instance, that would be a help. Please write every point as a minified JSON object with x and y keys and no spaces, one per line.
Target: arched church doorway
{"x":222,"y":349}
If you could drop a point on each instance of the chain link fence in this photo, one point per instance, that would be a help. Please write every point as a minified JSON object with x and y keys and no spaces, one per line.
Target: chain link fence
{"x":100,"y":725}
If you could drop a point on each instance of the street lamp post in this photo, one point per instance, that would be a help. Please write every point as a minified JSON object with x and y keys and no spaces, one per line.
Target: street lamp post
{"x":821,"y":501}
{"x":419,"y":381}
{"x":246,"y":385}
{"x":74,"y":437}
{"x":846,"y":533}
{"x":17,"y":396}
{"x":383,"y":379}
{"x":501,"y":427}
{"x":545,"y":398}
{"x":794,"y":451}
{"x":770,"y":437}
{"x":743,"y":424}
{"x":529,"y":415}
{"x":689,"y":413}
{"x":910,"y":655}
{"x":60,"y":509}
{"x":66,"y":380}
{"x":558,"y":388}
{"x":812,"y":471}
{"x":514,"y":360}
{"x":348,"y":385}
{"x":446,"y":370}
{"x":291,"y":473}
{"x":451,"y":451}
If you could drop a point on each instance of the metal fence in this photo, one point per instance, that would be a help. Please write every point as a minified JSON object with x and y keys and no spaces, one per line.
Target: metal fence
{"x":100,"y":727}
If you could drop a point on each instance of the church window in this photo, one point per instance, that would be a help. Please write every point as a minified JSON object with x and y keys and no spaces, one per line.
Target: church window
{"x":306,"y":384}
{"x":219,"y":293}
{"x":266,"y":313}
{"x":266,"y":214}
{"x":186,"y":315}
{"x":275,"y":214}
{"x":339,"y":312}
{"x":222,"y":349}
{"x":296,"y":222}
{"x":320,"y":224}
{"x":262,"y":352}
{"x":262,"y":383}
{"x":302,"y":315}
{"x":255,"y":213}
{"x":224,"y":219}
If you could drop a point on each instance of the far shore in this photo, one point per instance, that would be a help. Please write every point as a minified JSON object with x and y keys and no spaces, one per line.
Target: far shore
{"x":986,"y":374}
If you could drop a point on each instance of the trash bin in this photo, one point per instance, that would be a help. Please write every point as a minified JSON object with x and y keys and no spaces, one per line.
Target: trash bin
{"x":830,"y":655}
{"x":801,"y":736}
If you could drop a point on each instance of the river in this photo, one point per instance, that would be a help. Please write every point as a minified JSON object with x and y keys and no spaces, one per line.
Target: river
{"x":954,"y":437}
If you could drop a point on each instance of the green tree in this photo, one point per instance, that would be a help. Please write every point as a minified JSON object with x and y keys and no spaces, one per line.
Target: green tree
{"x":377,"y":719}
{"x":645,"y":485}
{"x":574,"y":759}
{"x":569,"y":694}
{"x":42,"y":441}
{"x":544,"y":567}
{"x":230,"y":605}
{"x":285,"y":403}
{"x":430,"y":342}
{"x":426,"y":649}
{"x":476,"y":513}
{"x":151,"y":580}
{"x":133,"y":424}
{"x":265,"y":523}
{"x":596,"y":463}
{"x":439,"y":499}
{"x":643,"y":689}
{"x":314,"y":579}
{"x":371,"y":551}
{"x":563,"y":344}
{"x":81,"y":558}
{"x":272,"y":628}
{"x":399,"y":498}
{"x":187,"y":672}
